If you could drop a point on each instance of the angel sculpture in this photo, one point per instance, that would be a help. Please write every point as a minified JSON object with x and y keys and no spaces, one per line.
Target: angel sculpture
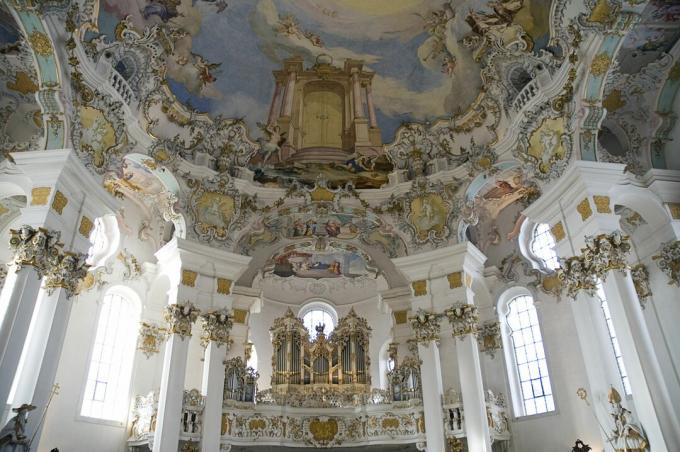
{"x":12,"y":437}
{"x":272,"y":143}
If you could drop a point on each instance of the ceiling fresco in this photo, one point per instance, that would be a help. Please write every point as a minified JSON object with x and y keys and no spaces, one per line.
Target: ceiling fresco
{"x":420,"y":51}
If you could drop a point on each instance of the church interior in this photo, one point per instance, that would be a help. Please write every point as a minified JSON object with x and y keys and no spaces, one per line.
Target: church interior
{"x":298,"y":225}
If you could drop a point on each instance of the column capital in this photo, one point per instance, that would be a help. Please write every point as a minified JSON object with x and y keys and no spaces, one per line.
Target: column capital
{"x":601,"y":254}
{"x":216,"y":326}
{"x":668,"y":260}
{"x":35,"y":247}
{"x":464,"y":319}
{"x":426,"y":326}
{"x":180,"y":317}
{"x":66,"y":272}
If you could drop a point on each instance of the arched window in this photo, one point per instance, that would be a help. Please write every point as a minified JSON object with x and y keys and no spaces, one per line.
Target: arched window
{"x":110,"y":370}
{"x":527,"y":367}
{"x":613,"y":340}
{"x":318,"y":313}
{"x":543,"y":247}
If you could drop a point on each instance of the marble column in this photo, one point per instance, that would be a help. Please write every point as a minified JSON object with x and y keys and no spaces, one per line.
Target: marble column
{"x":34,"y":249}
{"x":216,"y":327}
{"x":356,"y":94}
{"x":426,"y":328}
{"x":180,"y":318}
{"x":287,"y":105}
{"x":276,"y":99}
{"x":464,"y":321}
{"x":372,"y":121}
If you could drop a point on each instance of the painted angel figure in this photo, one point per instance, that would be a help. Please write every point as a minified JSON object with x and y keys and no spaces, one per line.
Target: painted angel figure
{"x":272,"y":143}
{"x":204,"y":69}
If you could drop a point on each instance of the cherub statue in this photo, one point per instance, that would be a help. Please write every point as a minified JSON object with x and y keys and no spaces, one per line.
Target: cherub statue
{"x":12,"y":435}
{"x":626,"y":435}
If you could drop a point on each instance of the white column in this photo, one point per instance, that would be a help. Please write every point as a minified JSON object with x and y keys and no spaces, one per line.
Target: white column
{"x":653,"y":408}
{"x":20,"y":299}
{"x":213,"y":389}
{"x":57,"y":309}
{"x":472,"y":391}
{"x":433,"y":391}
{"x":166,"y":436}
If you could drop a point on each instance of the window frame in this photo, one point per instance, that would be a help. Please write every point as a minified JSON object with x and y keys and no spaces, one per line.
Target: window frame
{"x":135,"y":300}
{"x":526,"y":240}
{"x":511,"y":366}
{"x":319,"y":305}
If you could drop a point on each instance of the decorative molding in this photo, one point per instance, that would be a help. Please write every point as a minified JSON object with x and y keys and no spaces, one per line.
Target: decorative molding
{"x":240,"y":316}
{"x":489,"y":337}
{"x":668,"y":261}
{"x":674,"y":209}
{"x":400,"y":317}
{"x":39,"y":196}
{"x":419,"y":287}
{"x":85,"y":228}
{"x":189,"y":278}
{"x":216,"y":326}
{"x":602,"y":204}
{"x":455,"y":280}
{"x":464,"y":319}
{"x":600,"y":64}
{"x":640,"y":277}
{"x":180,"y":317}
{"x":150,"y":338}
{"x":66,"y":272}
{"x":426,"y":326}
{"x":583,"y":208}
{"x":59,"y":202}
{"x":558,"y":231}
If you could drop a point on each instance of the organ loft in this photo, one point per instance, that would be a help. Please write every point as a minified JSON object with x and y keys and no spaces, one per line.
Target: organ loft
{"x":325,"y":113}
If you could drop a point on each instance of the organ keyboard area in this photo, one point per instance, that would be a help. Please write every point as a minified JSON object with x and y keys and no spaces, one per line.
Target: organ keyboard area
{"x":339,"y":359}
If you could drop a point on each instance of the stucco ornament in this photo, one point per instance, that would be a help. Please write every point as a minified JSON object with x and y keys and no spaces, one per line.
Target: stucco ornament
{"x":36,"y":248}
{"x":426,"y":326}
{"x":626,"y":435}
{"x":66,"y":272}
{"x":150,"y":338}
{"x":216,"y":326}
{"x":180,"y":317}
{"x":489,"y":337}
{"x":640,"y":277}
{"x":668,"y":260}
{"x":464,"y":319}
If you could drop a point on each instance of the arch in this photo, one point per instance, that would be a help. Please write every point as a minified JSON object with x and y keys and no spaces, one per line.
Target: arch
{"x":525,"y":357}
{"x":318,"y":310}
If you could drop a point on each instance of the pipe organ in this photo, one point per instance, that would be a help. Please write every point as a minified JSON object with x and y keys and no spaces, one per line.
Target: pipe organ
{"x":339,"y":359}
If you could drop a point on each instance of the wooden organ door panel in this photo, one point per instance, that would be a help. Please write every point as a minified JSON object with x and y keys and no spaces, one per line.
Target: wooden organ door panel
{"x":322,"y":115}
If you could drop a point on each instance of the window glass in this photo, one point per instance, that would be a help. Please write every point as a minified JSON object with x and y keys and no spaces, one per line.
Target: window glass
{"x":108,"y":379}
{"x":318,"y":316}
{"x":543,"y":246}
{"x":612,"y":338}
{"x":530,"y":363}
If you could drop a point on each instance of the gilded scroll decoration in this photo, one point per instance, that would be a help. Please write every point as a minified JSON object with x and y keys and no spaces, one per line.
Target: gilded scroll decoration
{"x":464,"y":319}
{"x":151,"y":337}
{"x":426,"y":326}
{"x":180,"y":317}
{"x":668,"y":261}
{"x":216,"y":326}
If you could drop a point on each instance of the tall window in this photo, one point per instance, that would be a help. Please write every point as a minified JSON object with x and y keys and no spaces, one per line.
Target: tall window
{"x":612,"y":338}
{"x":317,"y":313}
{"x":108,"y":379}
{"x":530,"y":367}
{"x":543,"y":246}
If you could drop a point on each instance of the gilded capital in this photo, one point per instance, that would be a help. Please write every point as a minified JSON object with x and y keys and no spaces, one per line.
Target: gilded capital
{"x":426,"y":326}
{"x":641,"y":282}
{"x":180,"y":317}
{"x":216,"y":326}
{"x":66,"y":271}
{"x":34,"y":247}
{"x":463,"y":318}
